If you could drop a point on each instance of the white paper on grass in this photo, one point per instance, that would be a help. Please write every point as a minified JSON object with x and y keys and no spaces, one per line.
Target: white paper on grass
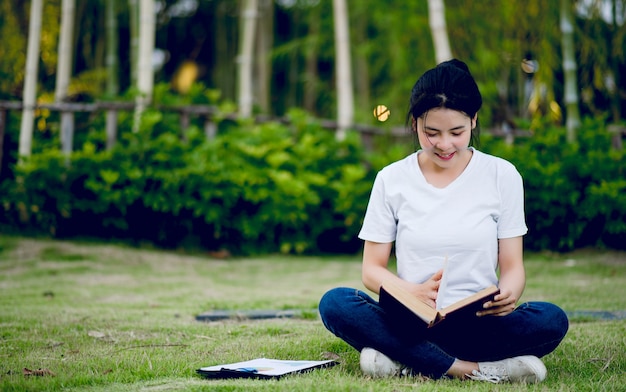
{"x":267,"y":367}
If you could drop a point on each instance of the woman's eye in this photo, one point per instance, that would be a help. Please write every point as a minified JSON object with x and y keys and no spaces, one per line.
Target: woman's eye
{"x":431,"y":134}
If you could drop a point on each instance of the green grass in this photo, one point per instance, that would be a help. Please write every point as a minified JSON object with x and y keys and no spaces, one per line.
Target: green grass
{"x":112,"y":318}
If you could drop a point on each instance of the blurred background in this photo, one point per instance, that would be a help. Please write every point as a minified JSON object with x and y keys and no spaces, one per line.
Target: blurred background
{"x":514,"y":49}
{"x":206,"y":122}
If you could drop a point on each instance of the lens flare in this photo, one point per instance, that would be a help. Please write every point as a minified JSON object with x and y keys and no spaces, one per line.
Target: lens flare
{"x":382,"y":113}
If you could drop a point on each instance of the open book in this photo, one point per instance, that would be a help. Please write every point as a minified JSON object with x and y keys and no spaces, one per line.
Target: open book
{"x":400,"y":303}
{"x":261,"y":368}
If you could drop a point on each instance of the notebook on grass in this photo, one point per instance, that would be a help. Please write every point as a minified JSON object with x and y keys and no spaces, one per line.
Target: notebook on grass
{"x":261,"y":368}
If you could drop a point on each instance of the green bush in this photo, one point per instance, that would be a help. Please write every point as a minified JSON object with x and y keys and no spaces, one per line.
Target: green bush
{"x":261,"y":188}
{"x":255,"y":188}
{"x":575,"y":193}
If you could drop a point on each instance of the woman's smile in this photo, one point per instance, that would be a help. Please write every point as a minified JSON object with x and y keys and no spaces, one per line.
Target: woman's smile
{"x":445,"y":157}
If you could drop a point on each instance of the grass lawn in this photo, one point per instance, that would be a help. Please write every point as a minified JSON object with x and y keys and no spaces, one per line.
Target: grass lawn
{"x":111,"y":318}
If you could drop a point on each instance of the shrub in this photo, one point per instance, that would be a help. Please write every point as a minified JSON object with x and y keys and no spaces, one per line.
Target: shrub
{"x":575,"y":193}
{"x":255,"y":188}
{"x":261,"y":188}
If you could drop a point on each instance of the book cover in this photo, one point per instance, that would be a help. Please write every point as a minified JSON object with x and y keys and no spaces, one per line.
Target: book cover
{"x":402,"y":304}
{"x":261,"y":368}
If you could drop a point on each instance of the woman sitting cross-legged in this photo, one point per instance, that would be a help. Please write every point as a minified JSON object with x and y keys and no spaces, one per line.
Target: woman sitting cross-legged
{"x":447,"y":201}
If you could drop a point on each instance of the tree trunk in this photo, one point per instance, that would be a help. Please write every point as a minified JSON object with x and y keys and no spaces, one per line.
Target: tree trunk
{"x":246,"y":50}
{"x":64,"y":71}
{"x":265,"y":38}
{"x":30,"y":79}
{"x":112,"y":61}
{"x":437,"y":21}
{"x":64,"y":62}
{"x":345,"y":98}
{"x":145,"y":71}
{"x":112,"y":67}
{"x":569,"y":69}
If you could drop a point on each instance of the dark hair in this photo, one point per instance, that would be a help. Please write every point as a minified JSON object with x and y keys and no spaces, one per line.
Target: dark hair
{"x":449,"y":85}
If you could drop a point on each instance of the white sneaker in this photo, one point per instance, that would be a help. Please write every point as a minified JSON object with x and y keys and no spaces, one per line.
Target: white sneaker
{"x":526,"y":368}
{"x":376,"y":364}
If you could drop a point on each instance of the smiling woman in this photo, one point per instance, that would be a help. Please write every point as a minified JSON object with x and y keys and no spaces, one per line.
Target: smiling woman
{"x":447,"y":201}
{"x":444,"y":135}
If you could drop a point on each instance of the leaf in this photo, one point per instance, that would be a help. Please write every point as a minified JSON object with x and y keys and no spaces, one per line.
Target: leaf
{"x":39,"y":372}
{"x":109,"y":176}
{"x":96,"y":334}
{"x":331,"y":355}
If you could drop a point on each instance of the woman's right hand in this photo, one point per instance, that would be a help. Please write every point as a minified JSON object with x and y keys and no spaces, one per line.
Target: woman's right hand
{"x":374,"y":272}
{"x":427,"y":291}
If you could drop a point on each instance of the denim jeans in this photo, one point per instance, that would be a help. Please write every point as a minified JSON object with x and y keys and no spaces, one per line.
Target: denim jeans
{"x":534,"y":328}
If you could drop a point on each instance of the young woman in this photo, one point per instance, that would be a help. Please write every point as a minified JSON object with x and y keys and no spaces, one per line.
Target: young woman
{"x":447,"y":202}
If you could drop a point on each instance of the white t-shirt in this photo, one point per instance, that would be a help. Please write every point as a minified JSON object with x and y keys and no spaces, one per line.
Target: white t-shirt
{"x":461,"y":222}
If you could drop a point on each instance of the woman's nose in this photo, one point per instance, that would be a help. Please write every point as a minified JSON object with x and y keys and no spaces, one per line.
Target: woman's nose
{"x":443,"y":142}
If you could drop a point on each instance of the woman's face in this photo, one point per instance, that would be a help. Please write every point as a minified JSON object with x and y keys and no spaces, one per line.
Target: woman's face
{"x":444,"y":136}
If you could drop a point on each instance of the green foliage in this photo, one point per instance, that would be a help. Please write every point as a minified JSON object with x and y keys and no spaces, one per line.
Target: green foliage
{"x":11,"y":52}
{"x":575,"y":194}
{"x":260,"y":188}
{"x":255,"y":188}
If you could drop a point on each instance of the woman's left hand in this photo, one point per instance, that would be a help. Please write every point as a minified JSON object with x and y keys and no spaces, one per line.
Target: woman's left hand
{"x":502,"y":304}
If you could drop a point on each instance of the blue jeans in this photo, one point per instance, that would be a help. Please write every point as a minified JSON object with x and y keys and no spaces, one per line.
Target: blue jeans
{"x":534,"y":328}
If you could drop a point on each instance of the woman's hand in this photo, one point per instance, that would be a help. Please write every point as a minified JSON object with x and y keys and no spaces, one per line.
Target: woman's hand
{"x":512,"y":278}
{"x":428,"y":290}
{"x":502,"y":304}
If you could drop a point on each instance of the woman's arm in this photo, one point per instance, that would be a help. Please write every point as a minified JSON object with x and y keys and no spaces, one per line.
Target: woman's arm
{"x":375,"y":262}
{"x":375,"y":271}
{"x":512,"y":277}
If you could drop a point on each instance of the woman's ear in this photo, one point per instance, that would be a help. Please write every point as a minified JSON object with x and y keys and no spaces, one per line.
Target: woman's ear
{"x":474,"y":121}
{"x":414,"y":124}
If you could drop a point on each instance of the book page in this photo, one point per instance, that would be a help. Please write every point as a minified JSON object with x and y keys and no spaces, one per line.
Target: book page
{"x":443,"y":285}
{"x":480,"y":297}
